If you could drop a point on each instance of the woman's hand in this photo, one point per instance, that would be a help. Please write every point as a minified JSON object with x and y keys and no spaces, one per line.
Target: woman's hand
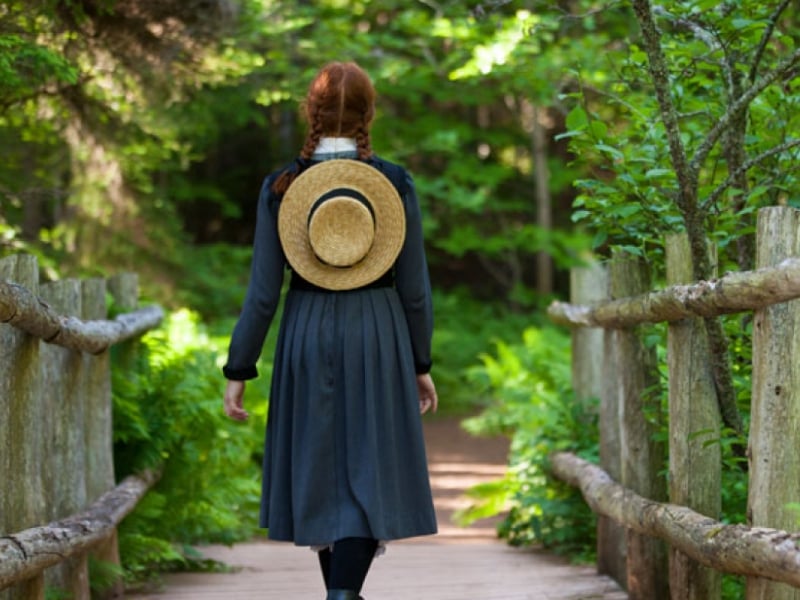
{"x":234,"y":400}
{"x":427,"y":394}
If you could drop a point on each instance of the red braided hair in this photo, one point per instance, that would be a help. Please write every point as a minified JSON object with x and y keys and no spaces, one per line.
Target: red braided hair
{"x":340,"y":103}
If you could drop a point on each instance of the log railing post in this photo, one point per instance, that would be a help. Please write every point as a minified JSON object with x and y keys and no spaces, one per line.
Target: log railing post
{"x":62,"y":375}
{"x":99,"y":432}
{"x":694,"y":431}
{"x":588,"y":285}
{"x":124,"y":289}
{"x":590,"y":379}
{"x":98,"y":426}
{"x":22,"y":411}
{"x":642,"y":458}
{"x":774,"y":442}
{"x":56,"y":428}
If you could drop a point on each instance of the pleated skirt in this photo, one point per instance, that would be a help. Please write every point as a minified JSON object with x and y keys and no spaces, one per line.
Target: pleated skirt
{"x":344,"y":452}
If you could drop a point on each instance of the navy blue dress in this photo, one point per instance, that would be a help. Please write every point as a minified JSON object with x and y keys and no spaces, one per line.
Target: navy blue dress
{"x":344,"y":453}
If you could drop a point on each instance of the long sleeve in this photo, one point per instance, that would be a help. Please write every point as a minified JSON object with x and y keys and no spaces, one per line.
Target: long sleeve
{"x":413,"y":282}
{"x":263,"y":293}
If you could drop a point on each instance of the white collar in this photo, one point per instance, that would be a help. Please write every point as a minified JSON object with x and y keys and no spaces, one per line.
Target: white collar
{"x":328,"y":145}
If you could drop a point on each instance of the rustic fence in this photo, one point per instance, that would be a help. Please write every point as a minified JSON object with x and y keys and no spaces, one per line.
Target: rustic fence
{"x":59,"y":502}
{"x":664,"y":540}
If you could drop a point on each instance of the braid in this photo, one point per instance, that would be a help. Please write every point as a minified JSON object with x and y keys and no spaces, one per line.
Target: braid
{"x":363,"y":143}
{"x":285,"y":179}
{"x":313,"y":137}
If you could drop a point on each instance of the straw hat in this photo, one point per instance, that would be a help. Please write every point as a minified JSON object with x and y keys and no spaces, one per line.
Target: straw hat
{"x":341,"y":224}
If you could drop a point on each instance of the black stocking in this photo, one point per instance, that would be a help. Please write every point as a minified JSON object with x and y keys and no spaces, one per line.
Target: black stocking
{"x":325,"y":565}
{"x":349,"y":563}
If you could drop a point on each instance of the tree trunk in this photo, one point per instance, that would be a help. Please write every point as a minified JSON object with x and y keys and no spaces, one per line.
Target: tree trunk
{"x":544,"y":205}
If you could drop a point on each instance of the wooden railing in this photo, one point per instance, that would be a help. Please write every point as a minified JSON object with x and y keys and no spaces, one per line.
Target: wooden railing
{"x":60,"y":501}
{"x":639,"y":509}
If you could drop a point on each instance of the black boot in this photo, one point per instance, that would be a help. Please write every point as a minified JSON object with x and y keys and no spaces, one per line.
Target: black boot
{"x":343,"y":595}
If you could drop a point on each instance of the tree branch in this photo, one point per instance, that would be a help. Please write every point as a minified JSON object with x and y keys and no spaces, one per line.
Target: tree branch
{"x":720,"y":189}
{"x":762,"y":45}
{"x":610,"y":95}
{"x":480,"y":11}
{"x":687,"y":174}
{"x":738,"y":106}
{"x":703,"y":35}
{"x":659,"y":73}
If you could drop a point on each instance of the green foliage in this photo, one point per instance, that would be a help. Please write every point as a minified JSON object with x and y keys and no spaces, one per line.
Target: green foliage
{"x":167,"y":415}
{"x":51,"y":593}
{"x":11,"y":242}
{"x":25,"y":65}
{"x":734,"y":484}
{"x":188,"y":127}
{"x":464,"y":329}
{"x":216,"y":279}
{"x":532,"y":402}
{"x":103,"y":575}
{"x":136,"y":136}
{"x":615,"y":124}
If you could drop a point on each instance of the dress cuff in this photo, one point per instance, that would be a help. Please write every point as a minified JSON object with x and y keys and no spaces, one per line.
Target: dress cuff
{"x":240,"y":374}
{"x":423,"y":368}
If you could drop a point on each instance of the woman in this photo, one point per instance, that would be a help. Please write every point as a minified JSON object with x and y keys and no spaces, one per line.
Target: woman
{"x":344,"y":461}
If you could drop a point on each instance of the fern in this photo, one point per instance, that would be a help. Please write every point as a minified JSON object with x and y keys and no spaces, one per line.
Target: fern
{"x":168,"y":413}
{"x":532,"y":403}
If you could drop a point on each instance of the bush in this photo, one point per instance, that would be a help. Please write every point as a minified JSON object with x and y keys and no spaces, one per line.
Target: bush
{"x":167,"y":392}
{"x":464,"y":329}
{"x":532,"y":403}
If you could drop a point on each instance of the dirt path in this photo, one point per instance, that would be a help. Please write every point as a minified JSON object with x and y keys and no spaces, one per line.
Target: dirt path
{"x":456,"y":462}
{"x":457,"y":564}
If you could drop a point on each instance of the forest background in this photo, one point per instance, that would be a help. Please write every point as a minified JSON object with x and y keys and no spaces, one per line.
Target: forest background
{"x":135,"y":135}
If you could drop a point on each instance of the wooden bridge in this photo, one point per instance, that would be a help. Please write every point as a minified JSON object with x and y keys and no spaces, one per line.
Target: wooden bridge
{"x":456,"y":564}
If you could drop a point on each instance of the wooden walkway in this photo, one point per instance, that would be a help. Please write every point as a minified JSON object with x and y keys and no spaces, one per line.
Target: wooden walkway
{"x":457,"y":564}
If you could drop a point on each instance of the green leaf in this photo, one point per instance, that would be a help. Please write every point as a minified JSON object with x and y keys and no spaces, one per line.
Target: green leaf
{"x":610,"y":150}
{"x":658,"y":173}
{"x":599,"y":129}
{"x":579,"y":215}
{"x":577,"y":120}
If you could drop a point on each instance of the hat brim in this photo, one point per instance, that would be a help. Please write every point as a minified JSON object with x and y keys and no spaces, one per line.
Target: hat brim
{"x":387,"y":207}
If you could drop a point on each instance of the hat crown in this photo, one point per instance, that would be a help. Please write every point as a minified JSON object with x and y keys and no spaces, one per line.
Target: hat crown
{"x":341,"y":230}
